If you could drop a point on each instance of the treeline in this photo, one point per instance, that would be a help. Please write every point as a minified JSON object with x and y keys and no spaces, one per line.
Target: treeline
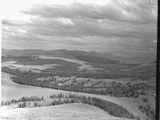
{"x":114,"y":88}
{"x":23,"y":99}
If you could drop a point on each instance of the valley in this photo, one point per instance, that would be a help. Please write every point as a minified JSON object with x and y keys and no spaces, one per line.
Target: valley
{"x":31,"y":80}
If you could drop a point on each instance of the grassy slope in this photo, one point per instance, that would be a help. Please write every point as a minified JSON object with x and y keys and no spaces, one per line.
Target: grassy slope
{"x":74,"y":111}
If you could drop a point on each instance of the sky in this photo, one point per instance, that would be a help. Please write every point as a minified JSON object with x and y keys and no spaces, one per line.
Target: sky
{"x":118,"y":26}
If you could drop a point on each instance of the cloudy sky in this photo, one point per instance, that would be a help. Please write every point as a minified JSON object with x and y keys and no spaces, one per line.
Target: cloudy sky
{"x":92,"y":25}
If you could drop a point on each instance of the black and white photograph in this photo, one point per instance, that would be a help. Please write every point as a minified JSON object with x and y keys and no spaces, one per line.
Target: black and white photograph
{"x":78,"y":59}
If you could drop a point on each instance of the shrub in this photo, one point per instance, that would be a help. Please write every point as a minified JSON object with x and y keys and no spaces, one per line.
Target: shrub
{"x":22,"y":105}
{"x":150,"y":113}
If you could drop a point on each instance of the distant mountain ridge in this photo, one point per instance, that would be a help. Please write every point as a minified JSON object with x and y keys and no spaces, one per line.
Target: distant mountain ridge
{"x":82,"y":55}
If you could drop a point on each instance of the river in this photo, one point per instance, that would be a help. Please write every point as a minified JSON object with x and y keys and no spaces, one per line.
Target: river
{"x":12,"y":90}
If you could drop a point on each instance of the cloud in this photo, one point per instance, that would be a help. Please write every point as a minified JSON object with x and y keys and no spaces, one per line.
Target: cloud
{"x":65,"y":21}
{"x":125,"y":26}
{"x":115,"y":10}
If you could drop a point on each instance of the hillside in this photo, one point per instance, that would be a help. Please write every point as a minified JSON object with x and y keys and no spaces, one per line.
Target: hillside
{"x":88,"y":64}
{"x":75,"y":111}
